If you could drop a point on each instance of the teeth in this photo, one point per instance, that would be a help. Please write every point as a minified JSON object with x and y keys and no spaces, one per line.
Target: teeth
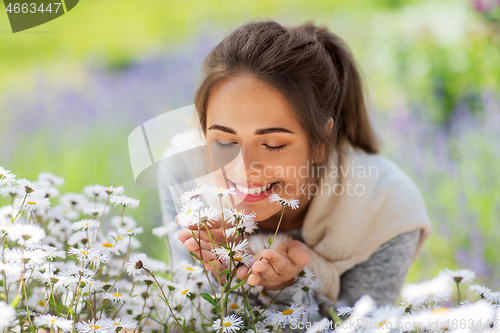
{"x":254,"y":190}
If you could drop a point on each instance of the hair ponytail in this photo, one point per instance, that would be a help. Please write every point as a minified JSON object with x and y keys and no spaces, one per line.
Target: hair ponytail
{"x":352,"y":118}
{"x":312,"y":67}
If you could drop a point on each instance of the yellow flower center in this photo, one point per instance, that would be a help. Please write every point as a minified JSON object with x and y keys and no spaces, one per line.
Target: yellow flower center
{"x":185,"y":292}
{"x":381,"y":323}
{"x":440,"y":310}
{"x":120,"y":238}
{"x":130,"y":230}
{"x":227,"y":324}
{"x":116,"y":324}
{"x":287,"y":312}
{"x":107,"y":245}
{"x":189,"y":211}
{"x":189,"y":269}
{"x":117,"y":295}
{"x":53,"y":320}
{"x":238,"y":258}
{"x":31,"y":203}
{"x":86,"y":253}
{"x":234,"y":306}
{"x":94,"y":327}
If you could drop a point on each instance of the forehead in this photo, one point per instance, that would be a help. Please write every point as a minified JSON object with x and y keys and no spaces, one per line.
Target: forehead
{"x":247,"y":101}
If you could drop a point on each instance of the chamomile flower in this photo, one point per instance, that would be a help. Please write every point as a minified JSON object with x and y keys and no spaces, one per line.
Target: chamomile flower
{"x":96,"y":209}
{"x":87,"y":224}
{"x":25,"y":234}
{"x":344,"y":311}
{"x":230,"y":324}
{"x":48,"y":192}
{"x":282,"y":318}
{"x":486,"y":293}
{"x":165,"y":229}
{"x":54,"y":322}
{"x":95,"y":191}
{"x":186,"y":215}
{"x":181,"y":293}
{"x":220,"y":192}
{"x":91,"y":326}
{"x":238,"y":258}
{"x":51,"y":251}
{"x":7,"y":177}
{"x":124,"y":201}
{"x":107,"y":246}
{"x":465,"y":276}
{"x":31,"y":257}
{"x":8,"y":315}
{"x":293,"y":203}
{"x":117,"y":297}
{"x":114,"y":190}
{"x":50,"y":179}
{"x":8,"y":190}
{"x":186,"y":268}
{"x":73,"y":201}
{"x":207,"y":215}
{"x":243,"y":220}
{"x":116,"y":323}
{"x":137,"y":263}
{"x":434,"y":290}
{"x":223,"y":253}
{"x":127,"y":222}
{"x":35,"y":201}
{"x":85,"y":254}
{"x":11,"y":270}
{"x":130,"y":232}
{"x":25,"y":186}
{"x":188,"y":196}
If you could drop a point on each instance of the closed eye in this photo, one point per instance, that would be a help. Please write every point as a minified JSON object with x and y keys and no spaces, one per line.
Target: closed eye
{"x":275,"y":149}
{"x":224,"y":145}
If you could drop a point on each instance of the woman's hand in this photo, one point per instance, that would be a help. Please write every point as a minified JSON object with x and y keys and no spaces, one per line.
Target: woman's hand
{"x":217,"y":235}
{"x":278,"y":267}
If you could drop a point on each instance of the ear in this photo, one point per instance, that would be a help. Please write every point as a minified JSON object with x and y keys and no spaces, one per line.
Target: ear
{"x":329,"y":125}
{"x":328,"y":129}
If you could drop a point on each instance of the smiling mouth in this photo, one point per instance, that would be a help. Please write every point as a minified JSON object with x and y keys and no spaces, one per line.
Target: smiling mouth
{"x":253,"y":190}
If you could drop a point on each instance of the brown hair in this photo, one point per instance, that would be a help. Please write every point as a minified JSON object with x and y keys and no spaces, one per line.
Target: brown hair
{"x":311,"y":66}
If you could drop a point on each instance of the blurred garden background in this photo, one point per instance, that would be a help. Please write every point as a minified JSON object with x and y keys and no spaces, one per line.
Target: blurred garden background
{"x":72,"y":90}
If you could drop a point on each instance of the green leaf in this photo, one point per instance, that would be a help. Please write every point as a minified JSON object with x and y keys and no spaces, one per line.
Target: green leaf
{"x":239,"y":284}
{"x":226,"y":271}
{"x":210,"y":300}
{"x":270,"y":241}
{"x":194,"y":255}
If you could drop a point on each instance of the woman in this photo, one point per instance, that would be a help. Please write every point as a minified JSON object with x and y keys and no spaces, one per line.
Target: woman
{"x":289,"y":99}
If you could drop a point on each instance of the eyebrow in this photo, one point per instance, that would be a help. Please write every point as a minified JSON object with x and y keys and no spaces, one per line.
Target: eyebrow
{"x":261,"y":131}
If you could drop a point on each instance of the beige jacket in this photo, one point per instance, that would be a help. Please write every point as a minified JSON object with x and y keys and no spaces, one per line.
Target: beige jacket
{"x":342,"y":230}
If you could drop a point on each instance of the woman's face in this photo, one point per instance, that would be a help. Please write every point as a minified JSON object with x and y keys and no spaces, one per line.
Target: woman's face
{"x":273,"y":146}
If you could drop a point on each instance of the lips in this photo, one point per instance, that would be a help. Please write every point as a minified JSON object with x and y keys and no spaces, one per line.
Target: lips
{"x":253,"y":193}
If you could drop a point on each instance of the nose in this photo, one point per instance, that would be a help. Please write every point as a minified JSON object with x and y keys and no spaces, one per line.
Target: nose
{"x":246,"y":165}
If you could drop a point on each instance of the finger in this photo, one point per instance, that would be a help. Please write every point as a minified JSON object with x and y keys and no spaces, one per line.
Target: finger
{"x":265,"y":270}
{"x":253,"y":279}
{"x":205,"y":255}
{"x":209,"y":266}
{"x":192,"y":245}
{"x":279,"y":263}
{"x":298,"y":255}
{"x":241,"y":272}
{"x":184,"y":235}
